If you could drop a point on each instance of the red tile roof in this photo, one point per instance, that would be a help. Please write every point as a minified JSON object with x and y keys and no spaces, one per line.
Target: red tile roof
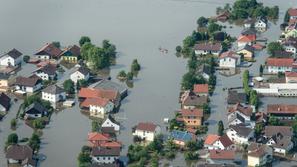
{"x":95,"y":93}
{"x":292,"y":11}
{"x":111,"y":144}
{"x":225,"y":140}
{"x":291,"y":74}
{"x":200,"y":88}
{"x":247,"y":38}
{"x":49,"y":49}
{"x":229,"y":53}
{"x":210,"y":139}
{"x":280,"y":62}
{"x":193,"y":112}
{"x":246,"y":110}
{"x":146,"y":126}
{"x":102,"y":102}
{"x":281,"y":109}
{"x":95,"y":136}
{"x":222,"y":154}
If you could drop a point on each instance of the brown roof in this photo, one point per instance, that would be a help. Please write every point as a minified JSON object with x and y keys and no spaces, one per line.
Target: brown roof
{"x":257,"y":149}
{"x":208,"y":46}
{"x":272,"y":130}
{"x":74,"y":50}
{"x":24,"y":81}
{"x":292,"y":12}
{"x":95,"y":93}
{"x":246,"y":110}
{"x":281,"y":109}
{"x":19,"y":152}
{"x":241,"y":130}
{"x":247,"y":38}
{"x":231,"y":54}
{"x":146,"y":126}
{"x":222,"y":154}
{"x":291,"y":74}
{"x":194,"y":112}
{"x":49,"y":49}
{"x":102,"y":102}
{"x":105,"y":151}
{"x":191,"y":99}
{"x":200,"y":88}
{"x":49,"y":69}
{"x":280,"y":62}
{"x":4,"y":101}
{"x":225,"y":140}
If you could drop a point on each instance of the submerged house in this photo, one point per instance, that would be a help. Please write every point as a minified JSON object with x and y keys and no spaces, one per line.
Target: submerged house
{"x":208,"y":48}
{"x":11,"y":58}
{"x":146,"y":131}
{"x":71,"y":54}
{"x":28,"y":84}
{"x":48,"y":51}
{"x":4,"y":102}
{"x":35,"y":110}
{"x":53,"y":94}
{"x":20,"y":155}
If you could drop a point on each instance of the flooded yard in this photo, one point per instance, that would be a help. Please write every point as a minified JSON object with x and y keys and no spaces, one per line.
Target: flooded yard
{"x":138,"y":28}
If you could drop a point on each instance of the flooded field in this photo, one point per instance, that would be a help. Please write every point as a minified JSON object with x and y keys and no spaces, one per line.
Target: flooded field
{"x":138,"y":28}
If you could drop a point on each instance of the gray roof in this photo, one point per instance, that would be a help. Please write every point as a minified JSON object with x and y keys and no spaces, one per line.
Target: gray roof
{"x":235,"y":97}
{"x":102,"y":151}
{"x":13,"y":53}
{"x":110,"y":85}
{"x":249,"y":31}
{"x":273,"y":130}
{"x":83,"y":70}
{"x":246,"y":47}
{"x":4,"y":76}
{"x":241,"y":130}
{"x":35,"y":108}
{"x":5,"y":101}
{"x":49,"y":69}
{"x":205,"y":69}
{"x":19,"y":152}
{"x":53,"y":89}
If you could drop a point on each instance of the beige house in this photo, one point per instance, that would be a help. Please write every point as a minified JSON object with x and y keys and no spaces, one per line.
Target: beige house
{"x":259,"y":154}
{"x":4,"y":82}
{"x":247,"y":51}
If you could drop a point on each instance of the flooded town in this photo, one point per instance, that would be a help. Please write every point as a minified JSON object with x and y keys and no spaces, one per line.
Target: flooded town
{"x":159,"y":83}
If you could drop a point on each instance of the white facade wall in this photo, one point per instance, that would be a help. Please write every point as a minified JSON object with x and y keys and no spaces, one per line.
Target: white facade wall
{"x":229,"y":62}
{"x":53,"y":98}
{"x":204,"y":52}
{"x":99,"y":111}
{"x":105,"y":159}
{"x":290,"y":48}
{"x":236,"y":138}
{"x":44,"y":57}
{"x":108,"y":123}
{"x":29,"y":89}
{"x":7,"y":60}
{"x":147,"y":135}
{"x":2,"y":109}
{"x":76,"y":76}
{"x":276,"y":69}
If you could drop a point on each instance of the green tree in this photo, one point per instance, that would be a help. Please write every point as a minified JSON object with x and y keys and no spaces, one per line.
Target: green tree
{"x":155,"y":160}
{"x":245,"y":80}
{"x":83,"y":40}
{"x":258,"y":129}
{"x":190,"y":78}
{"x":56,"y":44}
{"x":213,"y":27}
{"x":193,"y":146}
{"x":274,"y":46}
{"x":130,"y":76}
{"x":254,"y":100}
{"x":206,"y":109}
{"x":261,"y":70}
{"x":178,"y":49}
{"x":273,"y":121}
{"x":82,"y":83}
{"x":26,"y":58}
{"x":202,"y":21}
{"x":287,"y":17}
{"x":189,"y":41}
{"x":38,"y":123}
{"x":190,"y":156}
{"x":34,"y":142}
{"x":96,"y":126}
{"x":220,"y":128}
{"x":122,"y":75}
{"x":84,"y":159}
{"x":12,"y":139}
{"x":135,"y":66}
{"x":69,"y":86}
{"x":13,"y":123}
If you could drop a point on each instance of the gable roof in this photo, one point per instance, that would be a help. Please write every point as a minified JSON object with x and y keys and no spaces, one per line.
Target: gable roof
{"x":281,"y":109}
{"x":105,"y":151}
{"x":146,"y":126}
{"x":4,"y":101}
{"x":222,"y":154}
{"x":73,"y":50}
{"x":83,"y":70}
{"x":49,"y":49}
{"x":280,"y":62}
{"x":191,"y":99}
{"x":211,"y":139}
{"x":226,"y":141}
{"x":49,"y":69}
{"x":246,"y":110}
{"x":95,"y":136}
{"x":35,"y":108}
{"x":95,"y":93}
{"x":241,"y":130}
{"x":53,"y":89}
{"x":290,"y":74}
{"x":257,"y":149}
{"x":109,"y":117}
{"x":247,"y":48}
{"x":102,"y":102}
{"x":235,"y":97}
{"x":194,"y":112}
{"x":269,"y":131}
{"x":14,"y":53}
{"x":200,"y":88}
{"x":19,"y":152}
{"x":292,"y":11}
{"x":27,"y":81}
{"x":208,"y":46}
{"x":182,"y":136}
{"x":246,"y":38}
{"x":249,"y":32}
{"x":205,"y":69}
{"x":230,"y":54}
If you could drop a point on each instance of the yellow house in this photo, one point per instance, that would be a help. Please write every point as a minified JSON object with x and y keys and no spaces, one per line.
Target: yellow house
{"x":259,"y":154}
{"x":71,"y":54}
{"x":4,"y":82}
{"x":192,"y":118}
{"x":247,"y":51}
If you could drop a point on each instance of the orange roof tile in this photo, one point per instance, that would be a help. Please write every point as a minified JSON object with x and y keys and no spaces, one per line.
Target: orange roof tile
{"x":222,"y":154}
{"x":210,"y":139}
{"x":95,"y":93}
{"x":246,"y":38}
{"x":291,"y":74}
{"x":102,"y":102}
{"x":95,"y":136}
{"x":279,"y":62}
{"x":194,"y":112}
{"x":200,"y":88}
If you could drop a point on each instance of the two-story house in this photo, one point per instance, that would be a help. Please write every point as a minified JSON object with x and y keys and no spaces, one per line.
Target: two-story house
{"x":82,"y":73}
{"x":28,"y":84}
{"x":71,"y":54}
{"x":98,"y":107}
{"x":216,"y":142}
{"x":276,"y":65}
{"x":48,"y":51}
{"x":208,"y":48}
{"x":192,"y":118}
{"x":229,"y":59}
{"x":241,"y":115}
{"x":240,"y":134}
{"x":11,"y":58}
{"x":47,"y":72}
{"x":53,"y":94}
{"x":146,"y":131}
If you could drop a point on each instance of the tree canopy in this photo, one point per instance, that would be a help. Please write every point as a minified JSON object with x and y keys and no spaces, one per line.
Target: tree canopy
{"x":83,"y":40}
{"x":69,"y":86}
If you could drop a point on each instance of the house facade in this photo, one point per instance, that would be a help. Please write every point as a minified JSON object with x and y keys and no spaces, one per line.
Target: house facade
{"x":146,"y":131}
{"x":240,"y":134}
{"x":71,"y":54}
{"x":191,"y":117}
{"x":4,"y":82}
{"x":208,"y":48}
{"x":259,"y":155}
{"x":215,"y":142}
{"x":28,"y":85}
{"x":105,"y":155}
{"x":53,"y":94}
{"x":11,"y":58}
{"x":261,"y":24}
{"x":229,"y":59}
{"x":110,"y":122}
{"x":47,"y":72}
{"x":48,"y":51}
{"x":276,"y":65}
{"x":81,"y":73}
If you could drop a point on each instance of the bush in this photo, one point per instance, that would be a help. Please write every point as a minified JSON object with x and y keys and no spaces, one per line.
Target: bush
{"x":83,"y":40}
{"x":135,"y":66}
{"x":122,"y":75}
{"x":178,"y":49}
{"x":13,"y":123}
{"x":38,"y":123}
{"x":26,"y":58}
{"x":12,"y":139}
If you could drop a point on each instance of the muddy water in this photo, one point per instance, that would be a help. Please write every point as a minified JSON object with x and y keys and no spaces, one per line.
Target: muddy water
{"x":137,"y":27}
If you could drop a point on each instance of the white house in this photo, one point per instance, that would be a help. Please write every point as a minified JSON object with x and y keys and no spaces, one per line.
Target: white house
{"x":276,"y":65}
{"x":110,"y":122}
{"x":79,"y":74}
{"x":98,"y":107}
{"x":28,"y":85}
{"x":105,"y":155}
{"x":259,"y":154}
{"x":35,"y":110}
{"x":208,"y":48}
{"x":11,"y":58}
{"x":240,"y":134}
{"x":215,"y":142}
{"x":261,"y":24}
{"x":146,"y":130}
{"x":48,"y":51}
{"x":47,"y":72}
{"x":240,"y":114}
{"x":229,"y":59}
{"x":53,"y":94}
